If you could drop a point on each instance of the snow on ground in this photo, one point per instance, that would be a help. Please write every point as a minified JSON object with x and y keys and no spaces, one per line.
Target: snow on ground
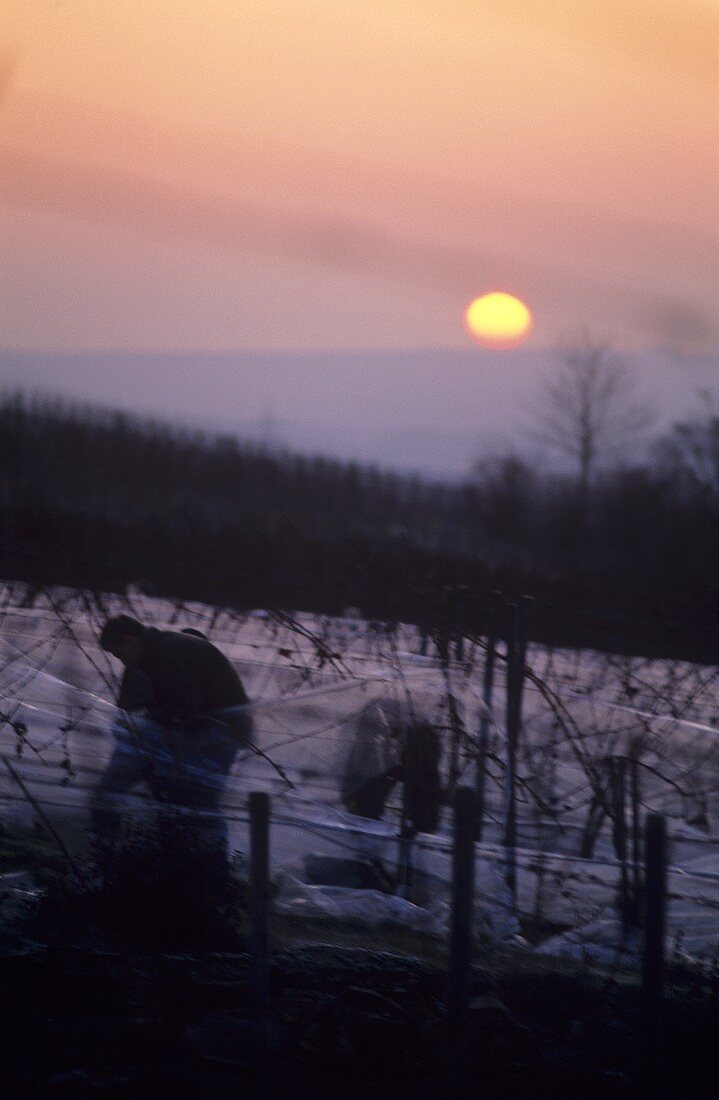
{"x":318,"y":684}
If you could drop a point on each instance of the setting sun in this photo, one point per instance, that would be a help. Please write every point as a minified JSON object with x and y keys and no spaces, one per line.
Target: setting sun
{"x":498,"y":320}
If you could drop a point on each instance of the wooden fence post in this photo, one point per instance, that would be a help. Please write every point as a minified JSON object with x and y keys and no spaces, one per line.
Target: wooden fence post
{"x":636,"y":888}
{"x":618,"y":780}
{"x":516,"y":655}
{"x":653,"y":957}
{"x":259,"y":908}
{"x":487,"y":688}
{"x":459,"y":975}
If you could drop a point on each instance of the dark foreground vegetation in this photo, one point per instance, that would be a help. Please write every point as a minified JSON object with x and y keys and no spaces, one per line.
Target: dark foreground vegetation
{"x":627,"y":563}
{"x":347,"y":1021}
{"x":138,"y":986}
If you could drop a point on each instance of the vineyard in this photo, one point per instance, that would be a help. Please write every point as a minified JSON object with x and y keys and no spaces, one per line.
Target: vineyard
{"x":603,"y":741}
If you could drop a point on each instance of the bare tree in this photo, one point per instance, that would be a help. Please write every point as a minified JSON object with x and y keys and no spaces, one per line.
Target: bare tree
{"x":589,"y":409}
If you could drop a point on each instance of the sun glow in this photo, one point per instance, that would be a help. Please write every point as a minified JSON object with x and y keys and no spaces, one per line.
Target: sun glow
{"x":498,"y":320}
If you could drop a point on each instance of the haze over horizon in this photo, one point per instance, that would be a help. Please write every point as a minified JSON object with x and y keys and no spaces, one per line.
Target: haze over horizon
{"x":431,"y":411}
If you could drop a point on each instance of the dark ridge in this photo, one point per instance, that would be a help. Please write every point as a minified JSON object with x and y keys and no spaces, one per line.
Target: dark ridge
{"x":97,"y":499}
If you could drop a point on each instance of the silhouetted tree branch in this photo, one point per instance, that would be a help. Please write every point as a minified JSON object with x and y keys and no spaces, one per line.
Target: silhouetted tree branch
{"x":589,"y":411}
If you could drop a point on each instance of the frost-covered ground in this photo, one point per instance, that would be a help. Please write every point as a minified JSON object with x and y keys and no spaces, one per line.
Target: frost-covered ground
{"x":329,"y":693}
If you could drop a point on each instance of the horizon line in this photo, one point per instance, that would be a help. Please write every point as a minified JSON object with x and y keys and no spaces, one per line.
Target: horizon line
{"x":478,"y":350}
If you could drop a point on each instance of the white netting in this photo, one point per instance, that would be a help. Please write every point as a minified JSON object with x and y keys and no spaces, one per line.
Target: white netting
{"x":334,"y":704}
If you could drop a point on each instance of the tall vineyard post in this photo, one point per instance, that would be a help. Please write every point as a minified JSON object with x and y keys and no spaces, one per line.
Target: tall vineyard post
{"x":636,"y":887}
{"x":487,"y":689}
{"x":516,"y":654}
{"x":447,"y":639}
{"x":459,"y":973}
{"x":653,"y":962}
{"x":627,"y":902}
{"x":259,"y":805}
{"x":627,"y":836}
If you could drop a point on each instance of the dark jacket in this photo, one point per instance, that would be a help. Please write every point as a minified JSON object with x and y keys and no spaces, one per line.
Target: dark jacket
{"x":189,"y":677}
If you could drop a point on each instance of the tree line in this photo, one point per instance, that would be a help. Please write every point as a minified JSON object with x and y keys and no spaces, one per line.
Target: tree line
{"x":625,"y":562}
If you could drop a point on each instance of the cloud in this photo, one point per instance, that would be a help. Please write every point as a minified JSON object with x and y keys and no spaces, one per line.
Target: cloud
{"x":149,"y":206}
{"x":683,"y":326}
{"x":554,"y":261}
{"x":156,"y":208}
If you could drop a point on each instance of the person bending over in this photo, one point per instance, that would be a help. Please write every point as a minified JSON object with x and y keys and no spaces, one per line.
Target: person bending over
{"x":188,"y":718}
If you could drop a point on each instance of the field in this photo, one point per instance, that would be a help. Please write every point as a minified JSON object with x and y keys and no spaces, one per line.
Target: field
{"x":604,"y":740}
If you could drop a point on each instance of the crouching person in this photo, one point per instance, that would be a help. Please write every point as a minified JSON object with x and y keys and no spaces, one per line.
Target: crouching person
{"x":187,"y":719}
{"x":392,"y":744}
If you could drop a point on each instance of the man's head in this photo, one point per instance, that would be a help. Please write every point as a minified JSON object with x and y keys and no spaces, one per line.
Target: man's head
{"x":123,"y":637}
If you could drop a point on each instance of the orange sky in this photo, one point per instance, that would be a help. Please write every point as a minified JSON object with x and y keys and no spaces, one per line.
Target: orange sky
{"x":324,"y":175}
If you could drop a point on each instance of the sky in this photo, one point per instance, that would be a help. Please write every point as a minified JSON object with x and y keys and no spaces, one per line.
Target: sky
{"x":309,"y":175}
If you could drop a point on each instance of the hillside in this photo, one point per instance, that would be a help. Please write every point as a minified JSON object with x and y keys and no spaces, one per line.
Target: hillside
{"x":97,"y":499}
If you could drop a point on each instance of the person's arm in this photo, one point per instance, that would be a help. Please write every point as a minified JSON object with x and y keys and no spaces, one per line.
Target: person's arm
{"x":124,"y":770}
{"x":135,"y":692}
